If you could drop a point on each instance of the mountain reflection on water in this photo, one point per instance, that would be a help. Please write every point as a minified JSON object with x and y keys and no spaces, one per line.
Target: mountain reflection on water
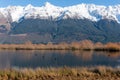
{"x":57,"y":58}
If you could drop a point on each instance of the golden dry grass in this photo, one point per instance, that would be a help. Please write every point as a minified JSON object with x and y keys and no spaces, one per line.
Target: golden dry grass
{"x":64,"y":73}
{"x":86,"y":45}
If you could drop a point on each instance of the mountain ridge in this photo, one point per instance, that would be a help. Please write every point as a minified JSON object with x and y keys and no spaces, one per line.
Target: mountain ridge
{"x":56,"y":24}
{"x":80,"y":11}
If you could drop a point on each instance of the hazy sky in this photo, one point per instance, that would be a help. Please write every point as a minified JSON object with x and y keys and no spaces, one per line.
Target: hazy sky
{"x":4,"y":3}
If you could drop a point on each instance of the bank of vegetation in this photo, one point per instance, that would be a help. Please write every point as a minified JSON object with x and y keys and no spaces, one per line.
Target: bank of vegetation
{"x":65,"y":73}
{"x":86,"y":45}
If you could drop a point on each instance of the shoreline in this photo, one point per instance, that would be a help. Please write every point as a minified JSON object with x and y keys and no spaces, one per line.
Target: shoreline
{"x":85,"y":45}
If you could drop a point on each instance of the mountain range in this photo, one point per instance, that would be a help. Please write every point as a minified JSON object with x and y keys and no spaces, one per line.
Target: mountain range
{"x":50,"y":23}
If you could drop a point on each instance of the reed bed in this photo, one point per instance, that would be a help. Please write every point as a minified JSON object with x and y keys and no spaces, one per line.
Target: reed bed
{"x":86,"y":45}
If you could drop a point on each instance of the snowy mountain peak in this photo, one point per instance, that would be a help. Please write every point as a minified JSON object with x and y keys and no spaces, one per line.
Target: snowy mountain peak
{"x":29,"y":6}
{"x":47,"y":4}
{"x":49,"y":11}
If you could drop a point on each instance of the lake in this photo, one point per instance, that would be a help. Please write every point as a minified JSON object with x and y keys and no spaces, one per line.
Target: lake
{"x":57,"y":58}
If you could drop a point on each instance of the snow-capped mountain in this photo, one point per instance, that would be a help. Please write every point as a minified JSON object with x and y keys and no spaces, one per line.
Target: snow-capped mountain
{"x":49,"y":11}
{"x":50,"y":23}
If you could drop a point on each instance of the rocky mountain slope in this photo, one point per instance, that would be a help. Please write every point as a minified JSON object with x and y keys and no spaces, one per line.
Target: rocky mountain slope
{"x":51,"y":23}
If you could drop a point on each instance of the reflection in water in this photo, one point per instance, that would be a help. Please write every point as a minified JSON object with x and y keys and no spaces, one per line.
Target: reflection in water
{"x":85,"y":55}
{"x":56,"y":58}
{"x":110,"y":54}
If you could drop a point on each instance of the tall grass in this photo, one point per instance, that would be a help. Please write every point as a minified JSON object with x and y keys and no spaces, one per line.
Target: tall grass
{"x":86,"y":45}
{"x":64,"y":73}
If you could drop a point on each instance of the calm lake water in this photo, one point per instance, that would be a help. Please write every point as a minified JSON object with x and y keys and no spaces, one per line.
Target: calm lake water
{"x":34,"y":59}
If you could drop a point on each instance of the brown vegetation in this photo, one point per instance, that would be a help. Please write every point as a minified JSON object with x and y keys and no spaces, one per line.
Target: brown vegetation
{"x":65,"y":73}
{"x":82,"y":45}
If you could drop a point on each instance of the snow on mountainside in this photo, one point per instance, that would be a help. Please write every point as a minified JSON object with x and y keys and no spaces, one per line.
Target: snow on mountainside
{"x":49,"y":11}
